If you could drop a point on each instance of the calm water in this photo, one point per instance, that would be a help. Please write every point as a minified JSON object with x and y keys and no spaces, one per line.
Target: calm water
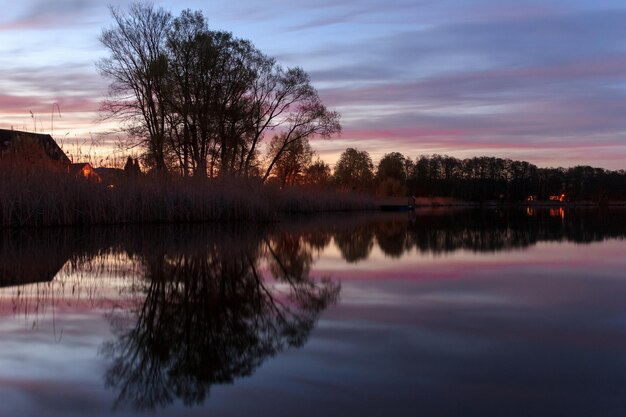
{"x":444,"y":313}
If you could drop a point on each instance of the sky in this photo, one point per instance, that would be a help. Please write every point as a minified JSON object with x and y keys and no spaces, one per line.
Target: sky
{"x":542,"y":81}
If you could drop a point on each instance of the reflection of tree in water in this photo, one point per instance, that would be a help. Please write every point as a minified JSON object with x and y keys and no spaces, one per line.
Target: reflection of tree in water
{"x":317,"y":240}
{"x":475,"y":230}
{"x":205,"y":311}
{"x":355,"y":244}
{"x":208,"y":316}
{"x":444,"y":230}
{"x":393,"y":239}
{"x":289,"y":257}
{"x":496,"y":230}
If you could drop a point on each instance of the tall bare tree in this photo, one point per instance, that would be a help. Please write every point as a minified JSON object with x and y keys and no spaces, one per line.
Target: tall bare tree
{"x":203,"y":98}
{"x":137,"y":68}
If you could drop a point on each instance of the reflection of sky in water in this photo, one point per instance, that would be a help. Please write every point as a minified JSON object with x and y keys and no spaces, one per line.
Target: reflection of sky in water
{"x":540,"y":331}
{"x":537,"y":332}
{"x":557,"y":257}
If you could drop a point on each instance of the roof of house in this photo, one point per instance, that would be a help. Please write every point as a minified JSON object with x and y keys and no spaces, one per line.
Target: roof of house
{"x":51,"y":148}
{"x":107,"y":170}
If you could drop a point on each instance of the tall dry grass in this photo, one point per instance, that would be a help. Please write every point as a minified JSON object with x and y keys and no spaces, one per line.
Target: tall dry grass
{"x":31,"y":197}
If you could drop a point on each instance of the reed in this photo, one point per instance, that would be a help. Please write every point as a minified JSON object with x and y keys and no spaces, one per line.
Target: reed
{"x":35,"y":198}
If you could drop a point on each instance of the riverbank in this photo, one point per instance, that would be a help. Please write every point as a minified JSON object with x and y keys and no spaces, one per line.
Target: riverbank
{"x":48,"y":199}
{"x":451,"y":202}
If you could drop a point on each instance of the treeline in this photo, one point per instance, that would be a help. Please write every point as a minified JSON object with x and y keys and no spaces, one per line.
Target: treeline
{"x":476,"y":179}
{"x":489,"y":178}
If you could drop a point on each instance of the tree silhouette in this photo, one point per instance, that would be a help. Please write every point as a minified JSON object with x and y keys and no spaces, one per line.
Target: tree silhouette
{"x":356,"y":244}
{"x":354,"y":170}
{"x":208,"y":317}
{"x":202,"y":101}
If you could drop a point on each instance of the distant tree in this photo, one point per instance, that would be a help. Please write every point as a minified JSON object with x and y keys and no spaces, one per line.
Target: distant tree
{"x":421,"y":169}
{"x":317,"y":174}
{"x":292,"y":162}
{"x":354,"y":170}
{"x":391,"y":175}
{"x":136,"y":167}
{"x":392,"y":165}
{"x":489,"y":178}
{"x":129,"y":167}
{"x":391,"y":187}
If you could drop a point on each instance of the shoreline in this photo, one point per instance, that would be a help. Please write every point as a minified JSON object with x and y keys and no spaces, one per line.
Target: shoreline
{"x":448,"y":202}
{"x":39,"y":199}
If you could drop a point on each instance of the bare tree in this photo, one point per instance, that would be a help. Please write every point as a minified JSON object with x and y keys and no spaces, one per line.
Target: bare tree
{"x":305,"y":115}
{"x":136,"y":67}
{"x":205,"y":99}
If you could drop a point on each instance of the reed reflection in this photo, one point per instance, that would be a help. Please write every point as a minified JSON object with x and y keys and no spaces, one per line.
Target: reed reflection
{"x":209,"y":314}
{"x":25,"y":258}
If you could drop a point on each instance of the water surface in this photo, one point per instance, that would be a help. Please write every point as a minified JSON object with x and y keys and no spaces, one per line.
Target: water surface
{"x":441,"y":313}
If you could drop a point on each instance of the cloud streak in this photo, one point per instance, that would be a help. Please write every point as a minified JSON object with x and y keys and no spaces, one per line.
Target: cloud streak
{"x":42,"y":14}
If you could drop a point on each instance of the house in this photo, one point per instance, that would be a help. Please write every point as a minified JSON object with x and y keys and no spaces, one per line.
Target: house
{"x":34,"y":148}
{"x":85,"y":171}
{"x":40,"y":150}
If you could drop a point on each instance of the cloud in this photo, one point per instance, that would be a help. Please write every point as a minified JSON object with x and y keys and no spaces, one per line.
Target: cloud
{"x":66,"y":78}
{"x":44,"y":14}
{"x":77,"y":91}
{"x":544,"y":80}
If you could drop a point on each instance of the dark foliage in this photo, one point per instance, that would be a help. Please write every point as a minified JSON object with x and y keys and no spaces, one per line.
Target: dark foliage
{"x":494,"y":179}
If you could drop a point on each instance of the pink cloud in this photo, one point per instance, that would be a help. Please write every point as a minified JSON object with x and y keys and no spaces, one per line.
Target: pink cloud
{"x":14,"y":105}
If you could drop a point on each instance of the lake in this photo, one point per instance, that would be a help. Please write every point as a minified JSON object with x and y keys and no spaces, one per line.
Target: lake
{"x":440,"y":312}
